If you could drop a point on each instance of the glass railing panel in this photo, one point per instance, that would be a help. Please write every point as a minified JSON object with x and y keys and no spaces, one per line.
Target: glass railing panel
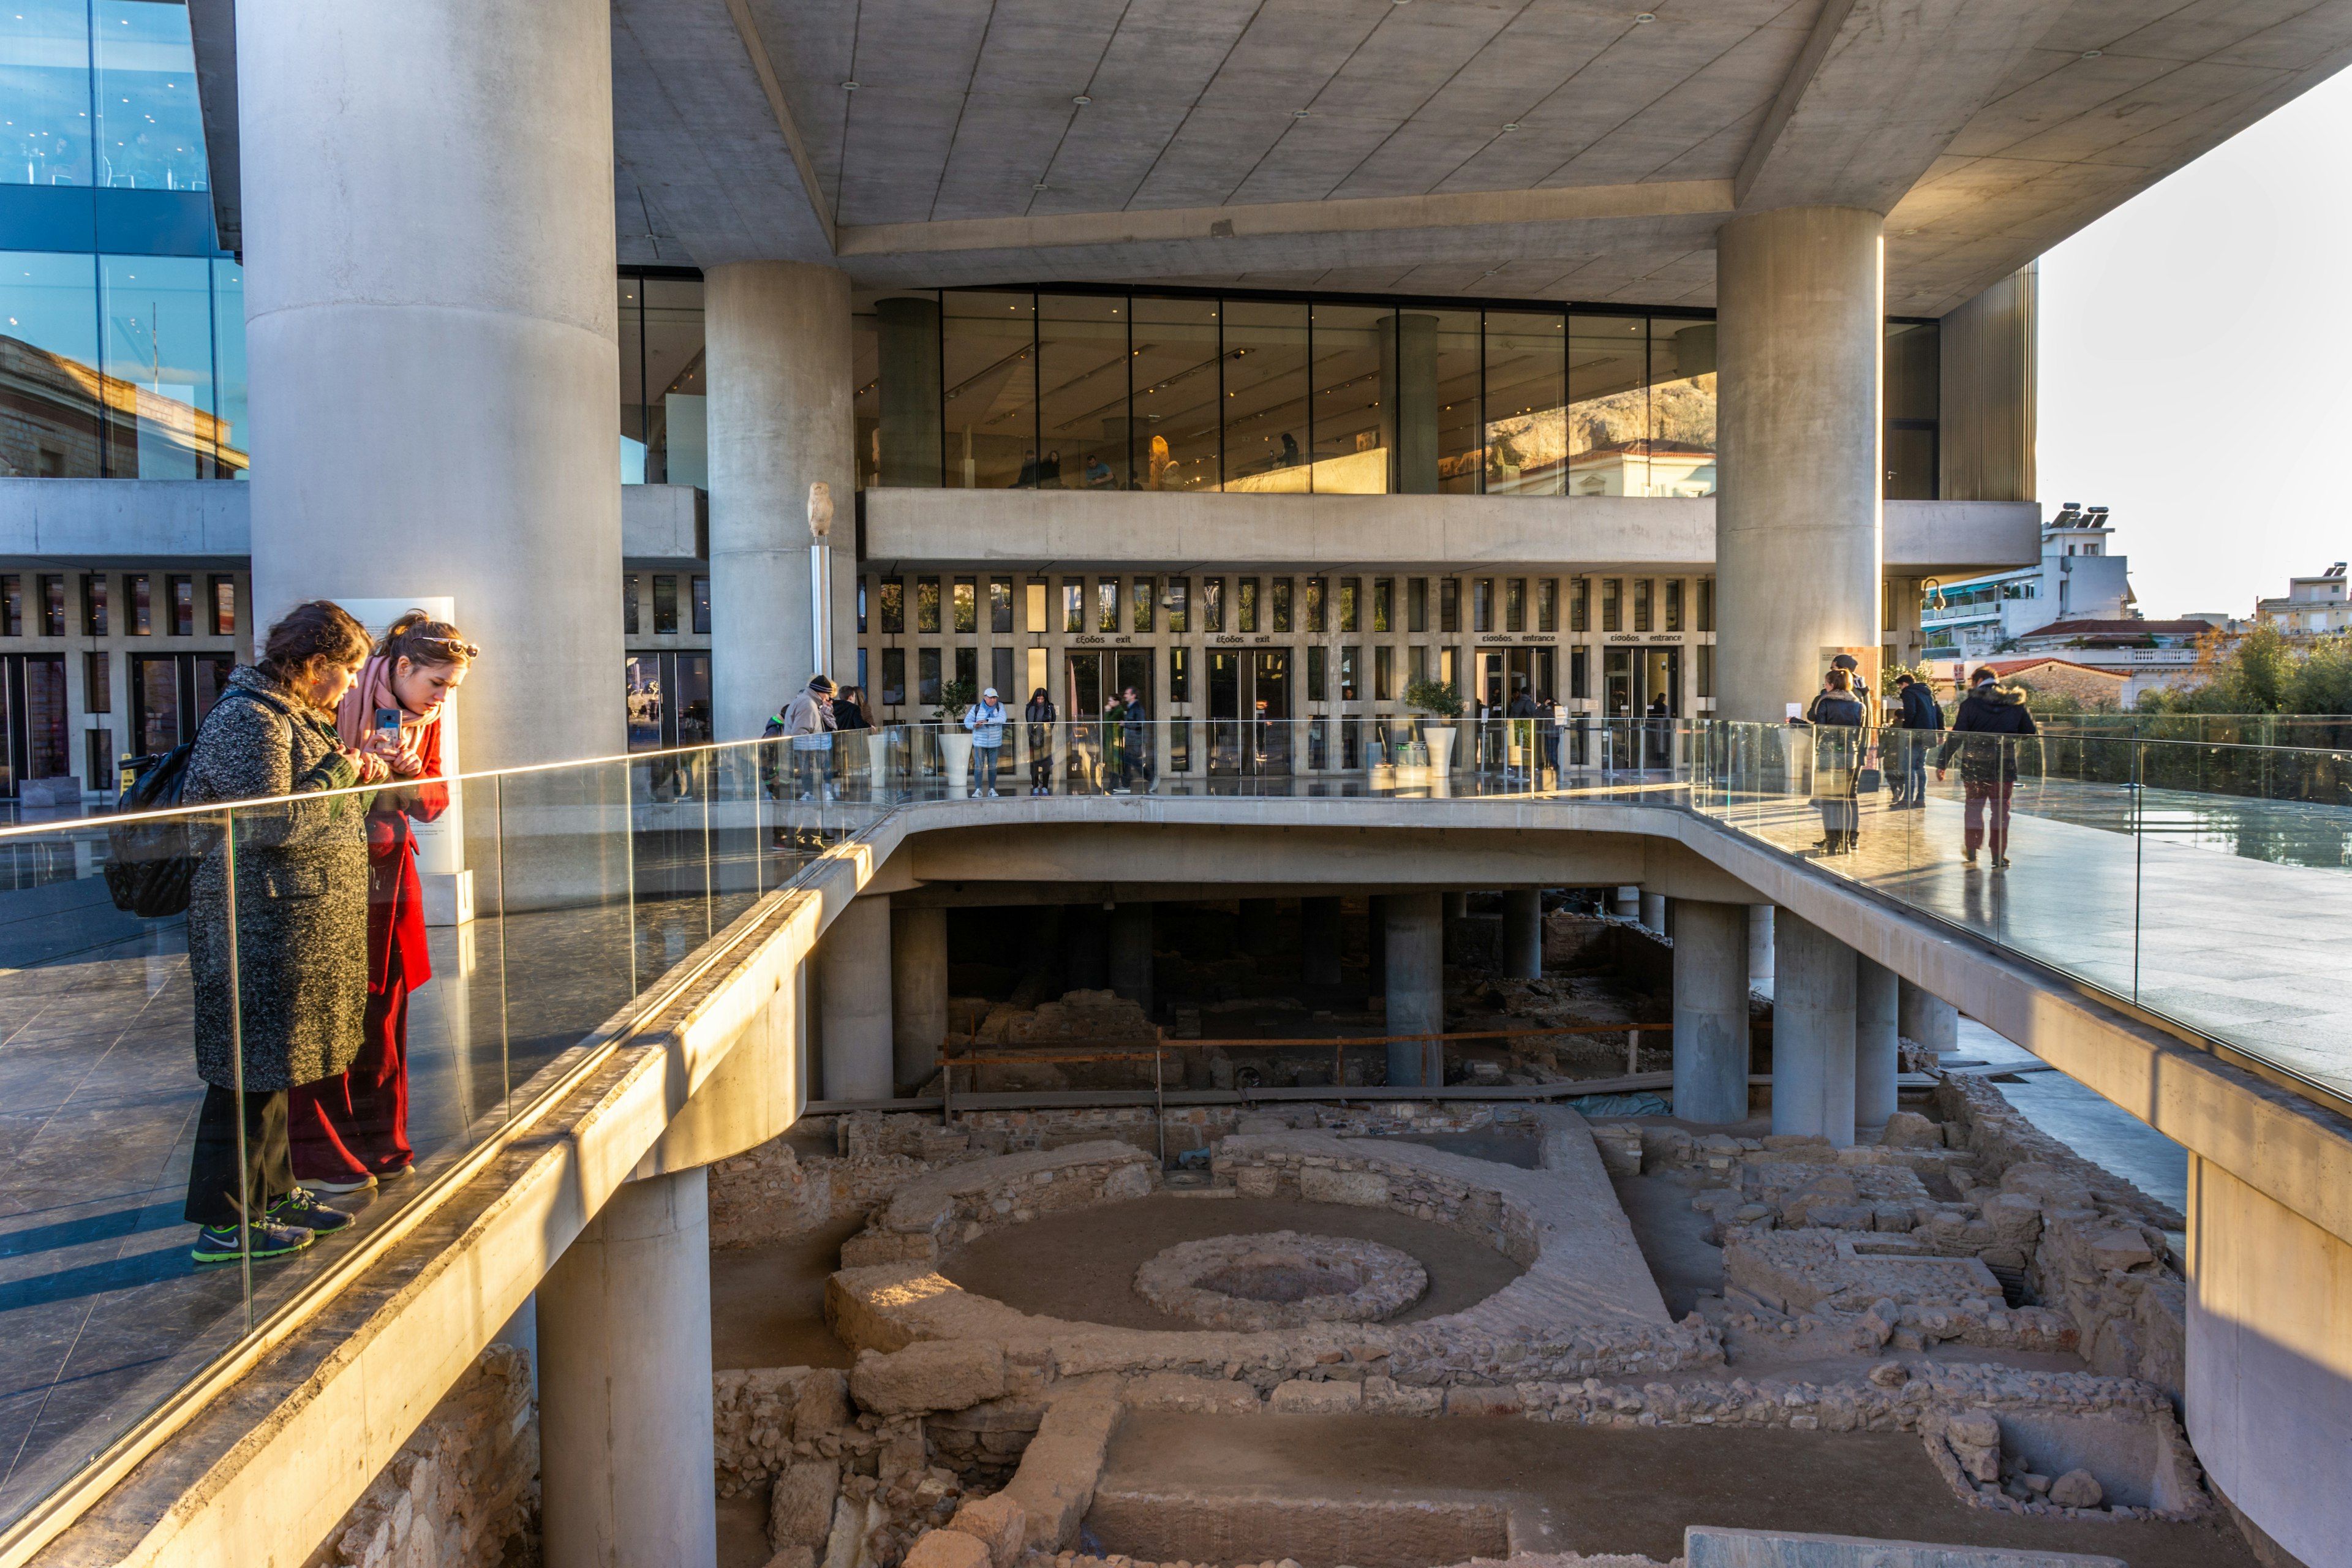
{"x":573,"y":949}
{"x":99,"y":1103}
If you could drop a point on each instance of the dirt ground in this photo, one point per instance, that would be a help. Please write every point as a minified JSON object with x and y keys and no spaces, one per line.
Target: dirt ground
{"x":767,"y":1302}
{"x":1609,"y":1490}
{"x":1082,"y":1265}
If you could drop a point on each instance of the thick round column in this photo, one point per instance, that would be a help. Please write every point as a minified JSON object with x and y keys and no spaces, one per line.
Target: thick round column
{"x":918,"y":992}
{"x":1416,"y":980}
{"x":778,"y":337}
{"x":1759,"y":946}
{"x":1874,"y":1061}
{"x":1130,"y":954}
{"x":1812,"y":1033}
{"x":1798,"y":334}
{"x":1710,"y":1012}
{"x":1318,"y":941}
{"x":1628,"y":902}
{"x":626,"y":1448}
{"x":854,"y":982}
{"x":430,"y":339}
{"x":1523,"y":933}
{"x":1653,"y":911}
{"x":1454,"y":906}
{"x":1927,"y":1020}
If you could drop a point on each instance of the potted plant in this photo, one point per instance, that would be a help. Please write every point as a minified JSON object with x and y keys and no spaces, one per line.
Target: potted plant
{"x":955,"y":740}
{"x":1439,"y":700}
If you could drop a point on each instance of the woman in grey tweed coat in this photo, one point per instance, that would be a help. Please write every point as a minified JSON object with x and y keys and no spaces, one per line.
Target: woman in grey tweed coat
{"x":300,"y":936}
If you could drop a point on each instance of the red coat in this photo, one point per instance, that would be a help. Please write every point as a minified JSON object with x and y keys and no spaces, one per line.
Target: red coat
{"x":395,"y":897}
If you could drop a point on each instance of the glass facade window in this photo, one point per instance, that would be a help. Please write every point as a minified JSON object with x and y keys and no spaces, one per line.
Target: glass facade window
{"x":1546,"y":603}
{"x":1033,"y":602}
{"x":12,"y":605}
{"x":1383,"y":673}
{"x":1316,"y":615}
{"x":1318,"y":672}
{"x":1348,"y":613}
{"x":1527,"y":403}
{"x":1613,"y":608}
{"x":1681,"y":458}
{"x":1446,"y":399}
{"x":1265,"y":396}
{"x":1674,"y":604}
{"x":1416,"y":604}
{"x":1383,"y":603}
{"x":1176,"y":370}
{"x":927,"y":605}
{"x":1213,"y":604}
{"x":1074,"y":604}
{"x":1082,"y":393}
{"x":53,"y":605}
{"x":1449,"y":604}
{"x":1707,"y":606}
{"x":1351,"y":659}
{"x":988,"y":397}
{"x":893,"y":677}
{"x":1178,"y":611}
{"x":1641,"y":603}
{"x":1278,"y":595}
{"x":894,"y":605}
{"x":149,"y":128}
{"x":1482,"y":604}
{"x":966,"y":591}
{"x":926,"y":676}
{"x":1353,"y":351}
{"x":1579,"y":671}
{"x":1142,"y":594}
{"x":1246,"y":603}
{"x":97,"y":688}
{"x":1515,"y":605}
{"x":1580,"y":604}
{"x":665,"y":603}
{"x":629,"y":603}
{"x":1107,"y":604}
{"x":1641,"y":405}
{"x":138,"y":591}
{"x":184,"y":606}
{"x":1912,"y":396}
{"x":699,"y":588}
{"x":664,"y":392}
{"x":94,"y":618}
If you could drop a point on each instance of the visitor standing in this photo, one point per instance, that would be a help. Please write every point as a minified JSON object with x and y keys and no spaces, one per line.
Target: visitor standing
{"x":1922,"y":716}
{"x":1983,"y":732}
{"x":351,"y":1132}
{"x":853,"y":738}
{"x":1134,"y":753}
{"x":1040,"y":717}
{"x":295,"y":965}
{"x":985,"y":719}
{"x":807,"y":719}
{"x":1837,"y":716}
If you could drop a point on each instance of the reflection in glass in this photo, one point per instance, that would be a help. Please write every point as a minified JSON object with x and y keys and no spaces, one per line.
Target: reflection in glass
{"x":1452,"y":401}
{"x":48,"y":354}
{"x":989,"y":397}
{"x":1609,"y":405}
{"x":1682,"y":408}
{"x":675,"y":431}
{"x":1526,"y":415}
{"x":1349,"y":455}
{"x":1265,"y":402}
{"x":157,"y":315}
{"x":45,"y":83}
{"x":1176,"y":375}
{"x":229,"y":369}
{"x":1082,"y":391}
{"x":151,"y":128}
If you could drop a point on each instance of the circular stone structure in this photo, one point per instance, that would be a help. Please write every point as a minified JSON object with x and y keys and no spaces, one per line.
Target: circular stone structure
{"x":1280,"y":1279}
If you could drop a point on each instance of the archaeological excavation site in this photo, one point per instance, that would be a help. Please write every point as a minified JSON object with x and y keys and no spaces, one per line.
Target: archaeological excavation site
{"x":1153,"y":1267}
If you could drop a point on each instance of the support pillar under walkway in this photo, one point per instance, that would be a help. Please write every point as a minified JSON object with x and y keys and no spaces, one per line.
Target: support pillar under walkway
{"x":626,"y":1448}
{"x":1759,"y":947}
{"x":1710,"y":1012}
{"x":1812,"y":1032}
{"x":1927,"y":1020}
{"x":854,"y":984}
{"x":1319,"y":942}
{"x":1874,"y":1058}
{"x":1523,"y":933}
{"x":918,"y":992}
{"x":1130,"y":954}
{"x":1414,"y":940}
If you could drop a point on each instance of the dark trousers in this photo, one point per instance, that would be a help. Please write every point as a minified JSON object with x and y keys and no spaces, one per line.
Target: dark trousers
{"x":219,"y":1192}
{"x":1989,"y":797}
{"x":355,"y":1125}
{"x":1041,"y":757}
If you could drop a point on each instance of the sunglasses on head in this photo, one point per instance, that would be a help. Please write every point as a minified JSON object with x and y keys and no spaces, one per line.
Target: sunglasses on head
{"x":457,"y":645}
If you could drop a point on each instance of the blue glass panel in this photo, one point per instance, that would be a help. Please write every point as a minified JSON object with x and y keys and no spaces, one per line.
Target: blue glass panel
{"x":48,"y":359}
{"x":150,"y":124}
{"x":47,"y":217}
{"x":154,"y":223}
{"x":158,"y":344}
{"x":44,"y":93}
{"x":231,"y":438}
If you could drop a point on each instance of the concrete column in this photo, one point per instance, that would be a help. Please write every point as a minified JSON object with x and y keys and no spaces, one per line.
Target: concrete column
{"x":1523,"y":933}
{"x":778,"y":347}
{"x":1710,"y":1012}
{"x":1085,"y":947}
{"x":625,"y":1446}
{"x":1130,"y":953}
{"x":854,"y":976}
{"x":1376,"y":944}
{"x":430,"y":339}
{"x":1759,"y":946}
{"x":906,"y":340}
{"x":1456,"y":906}
{"x":918,"y":992}
{"x":1318,"y":941}
{"x":1797,"y":514}
{"x":1653,"y":911}
{"x":1927,"y":1020}
{"x":1628,"y":903}
{"x":1812,"y":1033}
{"x":1409,"y":401}
{"x":1874,"y":1061}
{"x":1416,"y":987}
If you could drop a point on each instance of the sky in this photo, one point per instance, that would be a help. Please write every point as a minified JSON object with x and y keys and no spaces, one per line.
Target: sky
{"x":2193,"y":363}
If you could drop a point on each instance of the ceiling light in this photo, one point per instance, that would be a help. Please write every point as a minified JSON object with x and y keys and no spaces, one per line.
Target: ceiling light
{"x":2091,"y":54}
{"x":1299,"y":114}
{"x":1645,"y":16}
{"x":1039,"y":185}
{"x":1081,"y":99}
{"x":849,"y":86}
{"x":1514,"y":125}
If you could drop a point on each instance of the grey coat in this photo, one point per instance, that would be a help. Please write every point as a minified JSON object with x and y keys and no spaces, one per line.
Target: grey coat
{"x":301,"y":893}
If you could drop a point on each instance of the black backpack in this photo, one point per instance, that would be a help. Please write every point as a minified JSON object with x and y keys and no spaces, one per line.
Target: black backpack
{"x":150,"y":865}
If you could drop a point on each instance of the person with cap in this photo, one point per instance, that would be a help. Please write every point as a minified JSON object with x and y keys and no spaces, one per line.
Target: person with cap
{"x":986,"y":720}
{"x":807,"y":719}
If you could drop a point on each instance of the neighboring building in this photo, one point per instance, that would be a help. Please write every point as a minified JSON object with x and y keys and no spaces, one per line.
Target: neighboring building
{"x":2093,"y":685}
{"x":2314,"y":606}
{"x":2079,"y":576}
{"x":2147,"y":654}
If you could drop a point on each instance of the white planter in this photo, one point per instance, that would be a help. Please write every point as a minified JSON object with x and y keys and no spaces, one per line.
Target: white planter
{"x":955,"y":763}
{"x":1440,"y":738}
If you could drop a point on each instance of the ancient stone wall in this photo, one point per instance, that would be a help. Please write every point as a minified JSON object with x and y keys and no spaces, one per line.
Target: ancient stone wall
{"x":463,"y":1492}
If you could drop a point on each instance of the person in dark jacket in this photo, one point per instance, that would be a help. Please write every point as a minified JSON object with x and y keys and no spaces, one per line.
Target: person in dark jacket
{"x":1040,"y":717}
{"x":1921,"y":711}
{"x":1523,"y":715}
{"x":294,"y":958}
{"x":1837,"y":717}
{"x":1990,"y":714}
{"x":1134,"y":722}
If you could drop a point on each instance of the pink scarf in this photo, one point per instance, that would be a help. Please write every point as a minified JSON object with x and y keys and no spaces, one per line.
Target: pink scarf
{"x":355,"y":715}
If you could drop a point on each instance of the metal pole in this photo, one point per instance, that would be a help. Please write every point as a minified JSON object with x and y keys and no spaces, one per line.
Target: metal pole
{"x":1159,"y":1109}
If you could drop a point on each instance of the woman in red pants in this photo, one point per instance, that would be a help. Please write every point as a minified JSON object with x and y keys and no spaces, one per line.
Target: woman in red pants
{"x":351,"y":1132}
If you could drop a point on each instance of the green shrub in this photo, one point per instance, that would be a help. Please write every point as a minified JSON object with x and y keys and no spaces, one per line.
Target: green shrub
{"x":1436,"y":697}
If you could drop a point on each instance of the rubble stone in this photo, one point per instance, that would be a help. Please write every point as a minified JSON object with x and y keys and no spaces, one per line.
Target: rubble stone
{"x":2077,"y":1488}
{"x":947,"y":1548}
{"x":952,"y":1374}
{"x":998,"y":1523}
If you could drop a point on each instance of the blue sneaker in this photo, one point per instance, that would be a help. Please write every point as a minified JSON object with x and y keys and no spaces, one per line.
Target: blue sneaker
{"x":302,"y":1208}
{"x":221,"y":1243}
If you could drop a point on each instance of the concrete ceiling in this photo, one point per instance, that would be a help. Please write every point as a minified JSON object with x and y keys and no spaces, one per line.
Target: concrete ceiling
{"x":1556,"y":149}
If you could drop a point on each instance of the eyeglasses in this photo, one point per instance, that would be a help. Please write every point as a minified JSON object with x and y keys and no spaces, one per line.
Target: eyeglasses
{"x":457,"y":645}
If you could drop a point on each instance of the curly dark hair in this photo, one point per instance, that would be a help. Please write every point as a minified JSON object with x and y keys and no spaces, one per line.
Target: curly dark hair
{"x":311,"y":631}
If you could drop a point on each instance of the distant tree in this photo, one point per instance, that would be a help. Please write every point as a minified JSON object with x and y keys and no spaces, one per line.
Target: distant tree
{"x":2263,"y":671}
